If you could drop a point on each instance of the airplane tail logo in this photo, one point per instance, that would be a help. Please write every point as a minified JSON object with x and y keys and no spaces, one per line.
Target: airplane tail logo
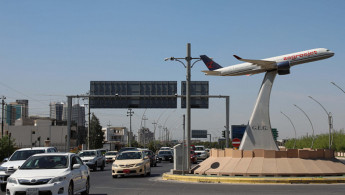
{"x":211,"y":65}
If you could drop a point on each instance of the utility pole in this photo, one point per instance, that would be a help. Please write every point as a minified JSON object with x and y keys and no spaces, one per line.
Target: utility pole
{"x":130,"y":114}
{"x":2,"y":116}
{"x":154,"y":130}
{"x":87,"y":95}
{"x":144,"y":129}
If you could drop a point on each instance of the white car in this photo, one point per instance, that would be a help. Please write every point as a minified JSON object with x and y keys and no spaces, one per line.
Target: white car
{"x":131,"y":163}
{"x":201,"y":153}
{"x":93,"y":159}
{"x":50,"y":173}
{"x":110,"y":156}
{"x":17,"y":159}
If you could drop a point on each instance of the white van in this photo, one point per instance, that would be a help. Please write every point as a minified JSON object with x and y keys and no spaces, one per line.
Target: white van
{"x":17,"y":159}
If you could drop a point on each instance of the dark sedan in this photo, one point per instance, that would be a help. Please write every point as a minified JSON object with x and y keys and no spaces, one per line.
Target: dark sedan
{"x":166,"y":155}
{"x":152,"y":157}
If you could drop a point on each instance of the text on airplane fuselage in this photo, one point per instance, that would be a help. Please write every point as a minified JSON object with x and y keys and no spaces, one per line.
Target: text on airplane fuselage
{"x":292,"y":57}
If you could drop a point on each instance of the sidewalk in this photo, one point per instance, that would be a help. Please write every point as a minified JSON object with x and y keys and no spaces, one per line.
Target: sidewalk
{"x":254,"y":180}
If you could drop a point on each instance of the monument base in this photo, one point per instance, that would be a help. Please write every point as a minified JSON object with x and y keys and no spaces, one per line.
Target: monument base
{"x":271,"y":163}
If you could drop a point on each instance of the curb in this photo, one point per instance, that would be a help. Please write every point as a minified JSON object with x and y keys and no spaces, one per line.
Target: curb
{"x":256,"y":180}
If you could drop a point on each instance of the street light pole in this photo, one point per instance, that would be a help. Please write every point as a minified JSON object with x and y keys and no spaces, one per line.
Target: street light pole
{"x":294,"y":145}
{"x":338,"y":87}
{"x":188,"y":78}
{"x":330,"y":124}
{"x":312,"y":142}
{"x":2,"y":116}
{"x":188,"y":58}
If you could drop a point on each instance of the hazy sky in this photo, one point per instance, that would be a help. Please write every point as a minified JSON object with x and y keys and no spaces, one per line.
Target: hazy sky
{"x":50,"y":49}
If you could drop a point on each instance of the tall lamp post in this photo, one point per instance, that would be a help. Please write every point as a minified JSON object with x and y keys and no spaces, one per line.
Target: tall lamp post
{"x":188,"y":58}
{"x":130,"y":114}
{"x":312,"y":142}
{"x":330,"y":121}
{"x":294,"y":145}
{"x":338,"y":87}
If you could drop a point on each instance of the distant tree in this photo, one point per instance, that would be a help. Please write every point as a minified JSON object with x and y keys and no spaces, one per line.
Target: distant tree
{"x":7,"y":147}
{"x":134,"y":143}
{"x":154,"y":145}
{"x":96,"y":133}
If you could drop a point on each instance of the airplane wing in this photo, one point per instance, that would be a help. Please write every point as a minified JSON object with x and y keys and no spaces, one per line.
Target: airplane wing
{"x":262,"y":63}
{"x":211,"y":72}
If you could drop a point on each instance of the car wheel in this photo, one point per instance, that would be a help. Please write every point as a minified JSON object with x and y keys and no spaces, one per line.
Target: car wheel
{"x":3,"y":187}
{"x":115,"y":176}
{"x":95,"y":167}
{"x":102,"y":167}
{"x":155,"y":164}
{"x":70,"y":189}
{"x":143,"y":175}
{"x":87,"y":188}
{"x":148,"y":173}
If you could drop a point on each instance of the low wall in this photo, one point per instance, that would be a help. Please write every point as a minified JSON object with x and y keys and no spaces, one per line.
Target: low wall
{"x":289,"y":153}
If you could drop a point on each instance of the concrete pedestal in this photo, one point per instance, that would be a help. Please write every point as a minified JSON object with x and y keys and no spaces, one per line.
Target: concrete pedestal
{"x":271,"y":163}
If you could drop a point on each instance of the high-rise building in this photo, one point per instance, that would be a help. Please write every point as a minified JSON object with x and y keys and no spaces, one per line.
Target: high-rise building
{"x":16,"y":110}
{"x":56,"y":110}
{"x":145,"y":136}
{"x":25,"y":107}
{"x":78,"y":114}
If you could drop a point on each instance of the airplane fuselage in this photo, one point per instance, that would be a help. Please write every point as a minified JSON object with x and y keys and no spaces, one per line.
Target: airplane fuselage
{"x":293,"y":59}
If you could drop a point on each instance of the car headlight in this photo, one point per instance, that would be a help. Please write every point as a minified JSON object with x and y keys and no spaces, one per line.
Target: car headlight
{"x":115,"y":165}
{"x":3,"y":168}
{"x":58,"y":179}
{"x":12,"y":180}
{"x":139,"y":164}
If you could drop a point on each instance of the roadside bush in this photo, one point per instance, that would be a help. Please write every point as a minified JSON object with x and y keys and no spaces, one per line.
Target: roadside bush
{"x":7,"y":147}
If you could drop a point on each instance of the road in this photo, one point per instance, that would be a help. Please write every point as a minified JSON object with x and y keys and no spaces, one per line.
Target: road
{"x":102,"y":183}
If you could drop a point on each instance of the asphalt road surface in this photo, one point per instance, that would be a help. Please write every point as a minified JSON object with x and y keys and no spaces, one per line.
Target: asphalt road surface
{"x":102,"y":183}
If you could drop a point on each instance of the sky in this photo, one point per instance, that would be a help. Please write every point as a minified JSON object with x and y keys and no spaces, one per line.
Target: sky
{"x":51,"y":49}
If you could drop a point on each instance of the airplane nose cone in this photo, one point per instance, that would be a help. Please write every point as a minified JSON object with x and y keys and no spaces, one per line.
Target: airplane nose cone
{"x":331,"y":53}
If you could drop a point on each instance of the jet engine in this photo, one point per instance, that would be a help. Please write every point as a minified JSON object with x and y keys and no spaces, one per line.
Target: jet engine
{"x":283,"y":68}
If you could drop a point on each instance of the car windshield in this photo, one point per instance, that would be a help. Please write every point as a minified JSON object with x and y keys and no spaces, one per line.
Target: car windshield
{"x":148,"y":153}
{"x":199,"y":148}
{"x":87,"y":153}
{"x":165,"y":152}
{"x":127,"y":148}
{"x":129,"y":155}
{"x":111,"y":153}
{"x":24,"y":154}
{"x":46,"y":162}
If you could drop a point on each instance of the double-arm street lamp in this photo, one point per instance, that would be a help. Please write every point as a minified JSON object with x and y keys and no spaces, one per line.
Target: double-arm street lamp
{"x":188,"y":59}
{"x":330,"y":121}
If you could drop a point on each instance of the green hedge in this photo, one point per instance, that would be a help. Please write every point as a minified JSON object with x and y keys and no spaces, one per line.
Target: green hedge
{"x":320,"y":142}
